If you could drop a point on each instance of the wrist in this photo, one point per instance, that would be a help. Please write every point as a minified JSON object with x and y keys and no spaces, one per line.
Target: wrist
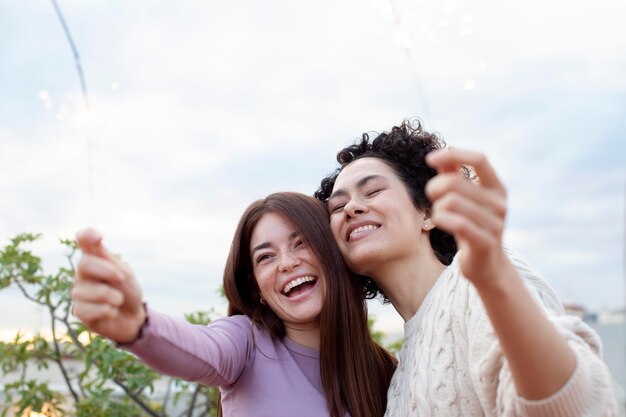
{"x":500,"y":283}
{"x":142,"y":321}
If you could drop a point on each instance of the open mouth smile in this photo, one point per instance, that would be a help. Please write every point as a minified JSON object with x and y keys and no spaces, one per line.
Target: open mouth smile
{"x":299,"y":285}
{"x":357,"y":231}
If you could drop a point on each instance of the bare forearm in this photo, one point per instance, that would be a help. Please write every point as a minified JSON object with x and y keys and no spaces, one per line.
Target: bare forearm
{"x":540,"y":359}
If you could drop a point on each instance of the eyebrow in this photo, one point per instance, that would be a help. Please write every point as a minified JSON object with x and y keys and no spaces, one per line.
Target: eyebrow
{"x":265,"y":245}
{"x":359,"y":184}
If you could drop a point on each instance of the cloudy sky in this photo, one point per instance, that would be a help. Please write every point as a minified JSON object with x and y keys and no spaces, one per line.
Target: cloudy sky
{"x":198,"y":108}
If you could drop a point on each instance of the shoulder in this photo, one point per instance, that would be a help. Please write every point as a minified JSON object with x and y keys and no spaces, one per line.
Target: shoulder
{"x":240,"y":321}
{"x":245,"y":330}
{"x":240,"y":325}
{"x":232,"y":324}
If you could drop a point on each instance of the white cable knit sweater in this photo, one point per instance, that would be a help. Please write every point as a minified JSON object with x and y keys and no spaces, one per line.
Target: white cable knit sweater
{"x":451,"y":363}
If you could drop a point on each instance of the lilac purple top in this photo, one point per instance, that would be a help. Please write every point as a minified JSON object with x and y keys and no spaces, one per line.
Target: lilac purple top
{"x":257,"y":375}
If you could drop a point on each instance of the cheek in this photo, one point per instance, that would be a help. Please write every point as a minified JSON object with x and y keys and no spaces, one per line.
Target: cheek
{"x":335,"y":228}
{"x":262,"y":281}
{"x":324,"y":288}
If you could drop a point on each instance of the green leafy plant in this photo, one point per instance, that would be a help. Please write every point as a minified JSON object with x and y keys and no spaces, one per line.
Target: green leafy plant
{"x":108,"y":382}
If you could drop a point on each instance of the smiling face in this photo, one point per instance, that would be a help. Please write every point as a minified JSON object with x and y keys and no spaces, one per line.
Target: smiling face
{"x":288,"y":274}
{"x":372,"y":216}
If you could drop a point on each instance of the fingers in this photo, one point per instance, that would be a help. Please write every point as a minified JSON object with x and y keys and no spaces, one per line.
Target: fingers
{"x":91,"y":313}
{"x":90,"y":242}
{"x":105,"y":297}
{"x":92,"y":268}
{"x":466,"y":232}
{"x":92,"y":292}
{"x":473,"y":212}
{"x":452,"y":159}
{"x":452,"y":187}
{"x":94,"y":301}
{"x":485,"y":211}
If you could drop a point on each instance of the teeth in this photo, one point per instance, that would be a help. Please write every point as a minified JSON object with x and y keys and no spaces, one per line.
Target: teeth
{"x":296,"y":282}
{"x":363,"y":228}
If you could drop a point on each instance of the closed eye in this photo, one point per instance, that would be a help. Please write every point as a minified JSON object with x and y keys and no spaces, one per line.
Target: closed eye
{"x":263,"y":257}
{"x":373,"y":192}
{"x":337,"y":208}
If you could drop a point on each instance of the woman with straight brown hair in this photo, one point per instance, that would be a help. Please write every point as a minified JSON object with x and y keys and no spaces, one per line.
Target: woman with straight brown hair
{"x":295,"y":340}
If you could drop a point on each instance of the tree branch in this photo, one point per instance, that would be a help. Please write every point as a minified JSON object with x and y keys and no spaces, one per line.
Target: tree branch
{"x":59,"y":359}
{"x":27,"y":295}
{"x":193,"y":400}
{"x":71,"y":333}
{"x":136,"y":399}
{"x":166,"y":397}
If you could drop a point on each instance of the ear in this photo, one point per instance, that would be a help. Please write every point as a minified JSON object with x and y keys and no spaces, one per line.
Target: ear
{"x":428,"y":223}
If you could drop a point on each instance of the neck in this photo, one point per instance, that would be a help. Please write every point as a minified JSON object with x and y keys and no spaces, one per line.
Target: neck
{"x":308,"y":336}
{"x":406,"y":281}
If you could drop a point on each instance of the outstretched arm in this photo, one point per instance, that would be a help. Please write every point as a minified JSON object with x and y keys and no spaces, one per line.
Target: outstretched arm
{"x":107,"y":298}
{"x":540,"y":359}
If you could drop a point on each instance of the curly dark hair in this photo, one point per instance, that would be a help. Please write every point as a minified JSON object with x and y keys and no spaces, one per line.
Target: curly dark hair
{"x":403,"y":149}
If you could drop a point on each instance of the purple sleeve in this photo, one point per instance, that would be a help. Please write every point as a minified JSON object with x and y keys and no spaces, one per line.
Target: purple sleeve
{"x":211,"y":355}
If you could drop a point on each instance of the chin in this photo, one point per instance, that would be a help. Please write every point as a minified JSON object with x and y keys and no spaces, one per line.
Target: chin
{"x":366,"y":262}
{"x":359,"y":264}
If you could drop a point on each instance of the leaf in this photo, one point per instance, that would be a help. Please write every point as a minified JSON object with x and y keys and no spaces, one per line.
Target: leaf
{"x":200,"y":317}
{"x":103,"y":369}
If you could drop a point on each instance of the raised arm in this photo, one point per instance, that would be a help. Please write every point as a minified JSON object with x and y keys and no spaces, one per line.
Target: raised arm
{"x":540,"y":359}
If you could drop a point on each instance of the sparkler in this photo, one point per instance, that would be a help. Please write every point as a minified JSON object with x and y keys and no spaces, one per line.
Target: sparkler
{"x":83,"y":114}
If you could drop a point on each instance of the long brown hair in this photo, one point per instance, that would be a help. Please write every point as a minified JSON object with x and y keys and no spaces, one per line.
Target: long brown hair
{"x":355,"y":371}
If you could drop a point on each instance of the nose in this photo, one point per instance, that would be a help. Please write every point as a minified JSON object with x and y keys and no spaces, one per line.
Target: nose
{"x":353,"y":208}
{"x":287,"y":261}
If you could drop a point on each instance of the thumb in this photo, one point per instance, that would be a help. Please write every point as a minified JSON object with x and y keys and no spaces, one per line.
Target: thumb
{"x":90,"y":242}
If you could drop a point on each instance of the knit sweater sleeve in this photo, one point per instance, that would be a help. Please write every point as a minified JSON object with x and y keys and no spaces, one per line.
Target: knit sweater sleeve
{"x":211,"y":355}
{"x":588,"y":392}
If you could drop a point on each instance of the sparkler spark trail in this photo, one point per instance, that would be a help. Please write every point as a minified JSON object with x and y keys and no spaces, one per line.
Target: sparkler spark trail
{"x":421,"y":94}
{"x":83,"y":86}
{"x":70,"y":40}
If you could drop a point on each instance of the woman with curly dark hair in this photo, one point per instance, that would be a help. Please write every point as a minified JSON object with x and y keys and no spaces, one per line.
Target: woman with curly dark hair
{"x":484,"y":334}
